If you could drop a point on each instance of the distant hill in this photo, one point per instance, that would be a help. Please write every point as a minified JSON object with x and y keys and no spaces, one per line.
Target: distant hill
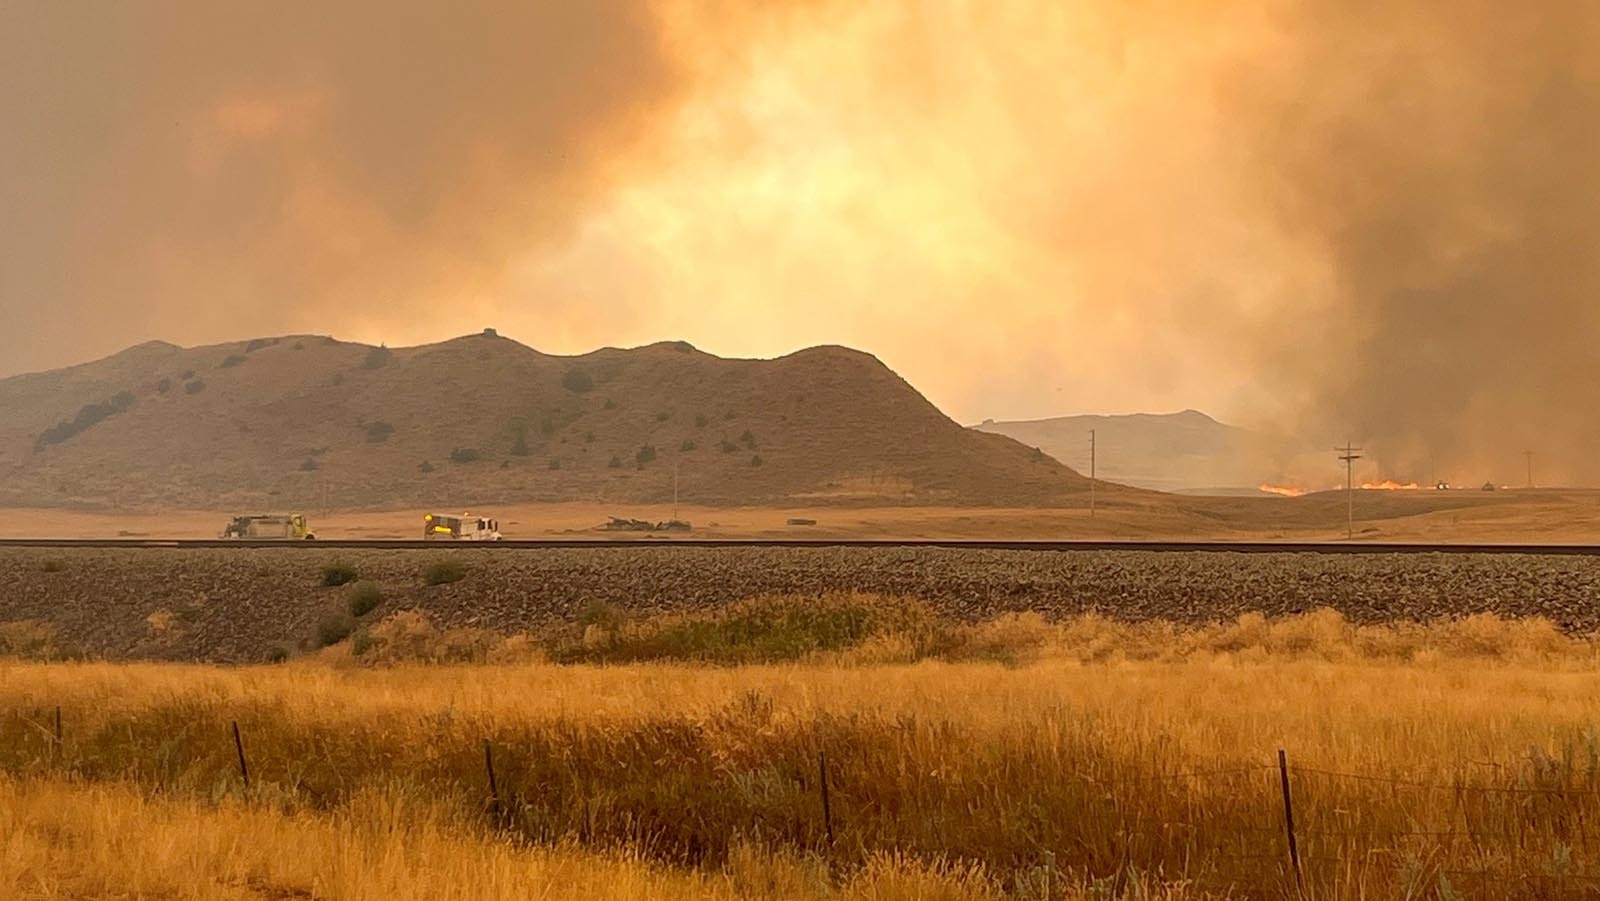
{"x":307,"y":421}
{"x":1184,"y":451}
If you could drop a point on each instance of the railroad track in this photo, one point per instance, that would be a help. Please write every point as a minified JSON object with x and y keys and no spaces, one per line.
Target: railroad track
{"x":1236,"y":547}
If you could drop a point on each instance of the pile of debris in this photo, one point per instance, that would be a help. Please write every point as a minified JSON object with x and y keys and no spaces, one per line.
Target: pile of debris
{"x":619,"y":524}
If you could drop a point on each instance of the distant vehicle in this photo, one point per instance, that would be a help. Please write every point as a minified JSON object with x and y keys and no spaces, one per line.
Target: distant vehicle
{"x":270,"y":527}
{"x":466,"y":527}
{"x":1488,"y":486}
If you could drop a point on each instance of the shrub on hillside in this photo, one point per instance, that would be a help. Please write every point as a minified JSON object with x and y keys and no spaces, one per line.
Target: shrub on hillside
{"x":616,"y":462}
{"x":53,"y":565}
{"x":163,"y":386}
{"x":554,"y":463}
{"x":334,"y":626}
{"x":748,"y":439}
{"x":310,"y":464}
{"x":338,"y":573}
{"x":663,"y":415}
{"x":89,"y":415}
{"x":379,"y":432}
{"x":727,"y":446}
{"x":232,"y":360}
{"x":443,"y":572}
{"x":194,"y":387}
{"x":687,"y":445}
{"x":424,"y":467}
{"x":577,"y":381}
{"x":645,"y":454}
{"x":377,"y":358}
{"x":701,"y":421}
{"x":755,"y":460}
{"x":364,"y":597}
{"x":465,"y":455}
{"x":256,"y":344}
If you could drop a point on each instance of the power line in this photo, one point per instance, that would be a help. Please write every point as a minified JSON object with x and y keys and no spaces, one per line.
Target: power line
{"x":1349,"y":456}
{"x":1529,"y":455}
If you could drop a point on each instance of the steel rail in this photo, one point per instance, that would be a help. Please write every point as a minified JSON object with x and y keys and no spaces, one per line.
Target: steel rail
{"x":1059,"y":546}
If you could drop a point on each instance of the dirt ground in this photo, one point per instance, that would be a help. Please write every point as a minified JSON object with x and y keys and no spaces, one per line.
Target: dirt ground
{"x":236,"y":605}
{"x":1508,"y":516}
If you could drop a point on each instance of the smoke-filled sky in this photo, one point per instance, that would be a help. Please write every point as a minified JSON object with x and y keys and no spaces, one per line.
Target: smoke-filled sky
{"x":1333,"y":217}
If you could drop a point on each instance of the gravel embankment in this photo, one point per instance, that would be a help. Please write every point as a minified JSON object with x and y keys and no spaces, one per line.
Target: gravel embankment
{"x":234,"y":605}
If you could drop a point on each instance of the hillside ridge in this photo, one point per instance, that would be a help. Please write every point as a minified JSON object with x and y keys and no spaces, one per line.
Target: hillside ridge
{"x":313,"y":421}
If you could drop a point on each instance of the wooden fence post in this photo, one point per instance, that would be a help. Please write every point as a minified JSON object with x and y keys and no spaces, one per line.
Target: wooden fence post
{"x":1288,"y":820}
{"x":238,"y":745}
{"x":827,"y":809}
{"x":494,"y":788}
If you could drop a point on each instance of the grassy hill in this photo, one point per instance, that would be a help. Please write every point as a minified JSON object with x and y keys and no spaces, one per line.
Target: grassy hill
{"x":304,"y":421}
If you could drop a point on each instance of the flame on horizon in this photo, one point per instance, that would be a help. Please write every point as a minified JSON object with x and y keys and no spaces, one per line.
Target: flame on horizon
{"x":1281,"y":490}
{"x":1390,"y":485}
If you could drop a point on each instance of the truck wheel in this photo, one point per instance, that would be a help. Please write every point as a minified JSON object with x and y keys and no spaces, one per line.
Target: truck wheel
{"x":311,"y":538}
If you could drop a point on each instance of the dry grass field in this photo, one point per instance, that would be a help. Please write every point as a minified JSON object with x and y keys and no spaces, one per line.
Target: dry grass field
{"x":1426,"y":516}
{"x":1113,"y":760}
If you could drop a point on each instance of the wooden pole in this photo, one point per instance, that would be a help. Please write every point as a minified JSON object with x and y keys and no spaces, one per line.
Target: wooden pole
{"x":494,"y":788}
{"x":58,"y":728}
{"x":827,"y":808}
{"x":1049,"y":874}
{"x":1288,"y":820}
{"x":1091,"y":473}
{"x":238,"y":746}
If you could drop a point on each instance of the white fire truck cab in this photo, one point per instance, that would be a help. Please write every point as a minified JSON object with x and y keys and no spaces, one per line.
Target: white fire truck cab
{"x":466,"y":527}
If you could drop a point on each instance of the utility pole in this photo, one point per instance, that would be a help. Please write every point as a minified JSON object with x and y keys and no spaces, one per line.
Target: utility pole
{"x":1349,"y":456}
{"x":1529,"y":455}
{"x":674,"y":490}
{"x":1091,"y":473}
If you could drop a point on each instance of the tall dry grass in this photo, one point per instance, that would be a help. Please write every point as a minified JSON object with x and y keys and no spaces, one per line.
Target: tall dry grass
{"x":1451,"y":760}
{"x":64,"y":840}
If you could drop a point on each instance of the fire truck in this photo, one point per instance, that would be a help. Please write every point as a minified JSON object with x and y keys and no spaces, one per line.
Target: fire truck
{"x":466,"y":527}
{"x":270,"y":527}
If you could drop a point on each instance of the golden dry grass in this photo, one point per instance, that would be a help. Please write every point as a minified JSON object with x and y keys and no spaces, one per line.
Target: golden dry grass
{"x":114,"y":841}
{"x":1140,"y":756}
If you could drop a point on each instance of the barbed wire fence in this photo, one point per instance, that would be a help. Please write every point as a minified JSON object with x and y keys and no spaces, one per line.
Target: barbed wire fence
{"x":1305,"y":843}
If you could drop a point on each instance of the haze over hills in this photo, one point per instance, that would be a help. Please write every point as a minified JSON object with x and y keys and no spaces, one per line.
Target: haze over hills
{"x":1163,"y":451}
{"x":308,"y":421}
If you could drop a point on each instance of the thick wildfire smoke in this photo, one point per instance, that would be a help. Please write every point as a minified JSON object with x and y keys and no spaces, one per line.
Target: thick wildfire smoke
{"x":184,"y":169}
{"x":1339,"y":220}
{"x":1437,"y":157}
